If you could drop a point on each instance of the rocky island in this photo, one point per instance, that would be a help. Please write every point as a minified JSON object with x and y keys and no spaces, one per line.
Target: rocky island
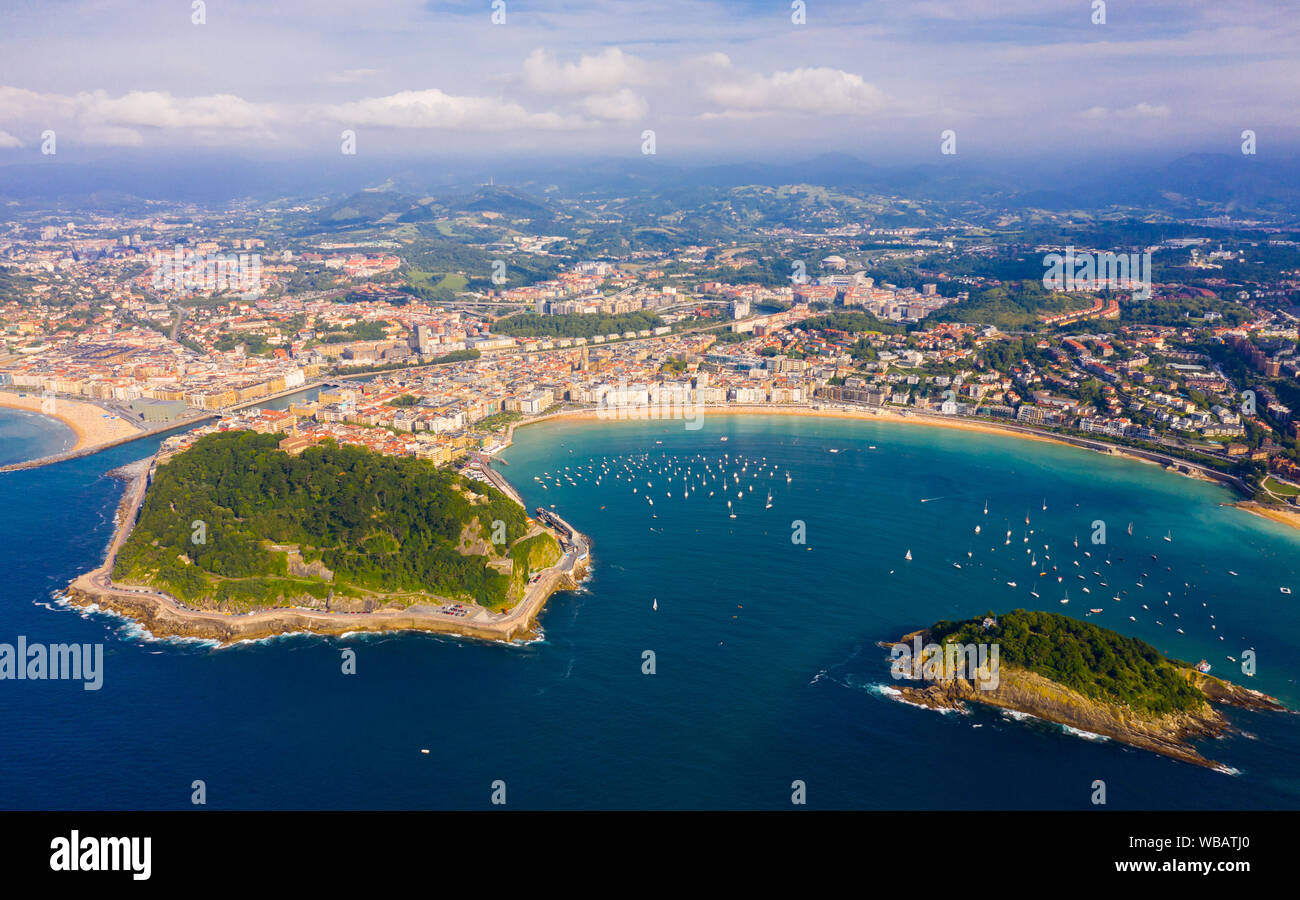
{"x":235,"y":539}
{"x":1073,"y":673}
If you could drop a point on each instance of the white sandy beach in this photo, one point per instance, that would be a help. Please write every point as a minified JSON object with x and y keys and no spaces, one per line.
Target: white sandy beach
{"x":87,"y":421}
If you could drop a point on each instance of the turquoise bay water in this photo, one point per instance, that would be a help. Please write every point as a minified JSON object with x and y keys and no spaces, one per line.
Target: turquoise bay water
{"x":27,"y":435}
{"x":766,"y":664}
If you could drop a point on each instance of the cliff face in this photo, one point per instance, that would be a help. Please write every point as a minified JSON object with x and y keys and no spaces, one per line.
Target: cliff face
{"x":530,"y":555}
{"x":1028,"y":692}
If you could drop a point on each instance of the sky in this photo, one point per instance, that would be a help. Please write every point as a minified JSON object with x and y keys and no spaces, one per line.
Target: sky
{"x":713,"y":81}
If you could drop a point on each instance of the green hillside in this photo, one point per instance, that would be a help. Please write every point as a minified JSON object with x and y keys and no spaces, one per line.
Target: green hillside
{"x":276,"y":529}
{"x":1096,"y":662}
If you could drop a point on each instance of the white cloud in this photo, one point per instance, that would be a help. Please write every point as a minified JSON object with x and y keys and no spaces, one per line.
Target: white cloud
{"x":8,"y":141}
{"x":1138,"y":111}
{"x":601,"y":74}
{"x":137,"y":109}
{"x":623,"y":106}
{"x":96,"y":117}
{"x":1144,"y":111}
{"x":158,"y":109}
{"x":433,"y":108}
{"x":25,"y":105}
{"x":821,"y":90}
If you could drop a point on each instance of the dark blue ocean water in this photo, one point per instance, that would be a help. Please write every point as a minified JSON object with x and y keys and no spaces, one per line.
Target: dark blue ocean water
{"x":767,"y":670}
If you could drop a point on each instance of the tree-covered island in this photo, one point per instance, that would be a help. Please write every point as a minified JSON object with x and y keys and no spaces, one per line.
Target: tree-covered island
{"x":235,"y":524}
{"x":1079,"y":675}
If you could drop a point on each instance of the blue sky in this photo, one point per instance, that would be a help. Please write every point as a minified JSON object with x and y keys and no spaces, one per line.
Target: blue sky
{"x":881,"y":80}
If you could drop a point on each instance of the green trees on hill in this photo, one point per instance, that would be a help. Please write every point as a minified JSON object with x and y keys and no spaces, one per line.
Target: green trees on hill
{"x":854,"y":322}
{"x":379,"y":523}
{"x":576,"y":325}
{"x":1012,"y":306}
{"x":1096,"y":662}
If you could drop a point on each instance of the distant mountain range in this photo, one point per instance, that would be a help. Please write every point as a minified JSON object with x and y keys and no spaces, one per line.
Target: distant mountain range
{"x":1193,"y":184}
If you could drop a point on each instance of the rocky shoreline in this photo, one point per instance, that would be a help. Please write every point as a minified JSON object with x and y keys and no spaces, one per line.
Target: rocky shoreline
{"x":163,"y":619}
{"x":1023,"y":691}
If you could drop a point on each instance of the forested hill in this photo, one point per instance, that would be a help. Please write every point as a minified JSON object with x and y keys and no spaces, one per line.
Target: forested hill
{"x":235,"y":523}
{"x":1096,"y":662}
{"x":1011,"y":307}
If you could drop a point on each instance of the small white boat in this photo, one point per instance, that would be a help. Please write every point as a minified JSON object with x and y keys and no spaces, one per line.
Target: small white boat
{"x":654,"y":604}
{"x":908,"y":555}
{"x":1285,"y":590}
